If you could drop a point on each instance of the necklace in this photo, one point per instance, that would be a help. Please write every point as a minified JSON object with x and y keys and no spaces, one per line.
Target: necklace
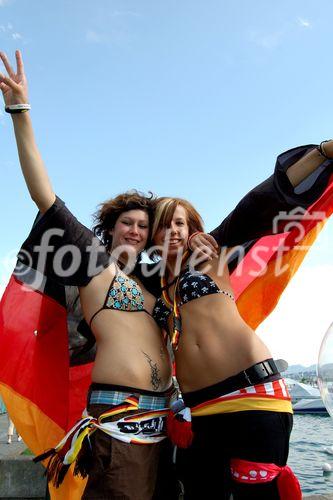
{"x":170,"y":283}
{"x":173,"y":303}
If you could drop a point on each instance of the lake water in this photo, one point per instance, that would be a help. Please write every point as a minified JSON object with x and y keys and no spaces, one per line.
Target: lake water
{"x":310,"y":435}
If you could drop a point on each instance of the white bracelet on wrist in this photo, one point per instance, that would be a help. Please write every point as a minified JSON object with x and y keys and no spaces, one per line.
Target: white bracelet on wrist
{"x":17,"y":108}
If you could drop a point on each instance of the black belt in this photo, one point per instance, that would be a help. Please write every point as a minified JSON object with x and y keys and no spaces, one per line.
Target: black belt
{"x":265,"y":371}
{"x":257,"y":373}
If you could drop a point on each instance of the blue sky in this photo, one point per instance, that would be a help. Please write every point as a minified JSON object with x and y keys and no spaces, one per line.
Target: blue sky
{"x":190,"y":98}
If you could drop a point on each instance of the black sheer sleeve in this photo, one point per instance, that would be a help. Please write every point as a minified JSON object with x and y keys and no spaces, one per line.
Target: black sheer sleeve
{"x":61,"y":248}
{"x":253,"y":217}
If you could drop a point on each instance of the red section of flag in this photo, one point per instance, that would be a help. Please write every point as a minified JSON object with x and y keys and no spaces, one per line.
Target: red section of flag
{"x":34,"y":357}
{"x":273,"y":247}
{"x":80,"y":380}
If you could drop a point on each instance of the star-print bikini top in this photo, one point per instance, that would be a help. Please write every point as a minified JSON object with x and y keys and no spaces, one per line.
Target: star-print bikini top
{"x":191,"y":285}
{"x":124,"y":294}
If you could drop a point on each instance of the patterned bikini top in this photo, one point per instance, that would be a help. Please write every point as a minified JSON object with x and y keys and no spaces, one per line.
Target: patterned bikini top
{"x":190,"y":286}
{"x":124,"y":294}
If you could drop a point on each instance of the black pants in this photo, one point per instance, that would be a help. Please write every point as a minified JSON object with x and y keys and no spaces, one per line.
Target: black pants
{"x":259,"y":436}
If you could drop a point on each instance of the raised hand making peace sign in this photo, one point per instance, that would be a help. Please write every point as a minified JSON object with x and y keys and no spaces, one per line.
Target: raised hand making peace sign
{"x":14,"y":87}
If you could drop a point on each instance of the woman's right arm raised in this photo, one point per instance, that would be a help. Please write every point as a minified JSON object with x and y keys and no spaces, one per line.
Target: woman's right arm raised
{"x":14,"y":89}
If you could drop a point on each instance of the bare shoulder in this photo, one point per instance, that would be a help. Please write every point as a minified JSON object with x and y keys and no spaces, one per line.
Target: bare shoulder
{"x":102,"y":279}
{"x":216,"y":268}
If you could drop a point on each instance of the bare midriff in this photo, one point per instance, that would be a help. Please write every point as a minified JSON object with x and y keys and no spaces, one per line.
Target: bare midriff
{"x":215,"y":343}
{"x":131,"y":350}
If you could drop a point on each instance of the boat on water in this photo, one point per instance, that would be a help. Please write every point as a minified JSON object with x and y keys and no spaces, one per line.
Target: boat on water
{"x":305,"y":398}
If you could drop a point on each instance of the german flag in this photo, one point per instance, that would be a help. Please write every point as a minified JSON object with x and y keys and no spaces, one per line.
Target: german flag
{"x":45,"y":373}
{"x":45,"y":368}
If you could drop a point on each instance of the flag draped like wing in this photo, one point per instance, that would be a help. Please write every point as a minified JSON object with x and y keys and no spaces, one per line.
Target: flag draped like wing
{"x":44,"y":377}
{"x":273,"y":227}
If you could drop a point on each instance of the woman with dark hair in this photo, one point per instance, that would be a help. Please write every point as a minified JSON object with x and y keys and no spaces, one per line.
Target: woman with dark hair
{"x":240,"y":406}
{"x":131,"y":376}
{"x":109,"y":212}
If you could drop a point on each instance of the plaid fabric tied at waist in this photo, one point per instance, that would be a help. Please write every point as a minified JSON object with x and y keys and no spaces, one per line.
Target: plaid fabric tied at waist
{"x":145,"y":402}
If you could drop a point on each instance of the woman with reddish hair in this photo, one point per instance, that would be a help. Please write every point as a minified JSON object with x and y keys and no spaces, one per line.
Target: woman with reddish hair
{"x":231,"y":387}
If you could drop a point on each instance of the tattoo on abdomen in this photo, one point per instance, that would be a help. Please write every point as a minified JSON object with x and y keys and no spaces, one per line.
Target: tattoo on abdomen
{"x":155,"y":378}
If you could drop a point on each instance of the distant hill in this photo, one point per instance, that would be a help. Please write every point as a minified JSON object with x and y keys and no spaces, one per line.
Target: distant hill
{"x":301,"y":368}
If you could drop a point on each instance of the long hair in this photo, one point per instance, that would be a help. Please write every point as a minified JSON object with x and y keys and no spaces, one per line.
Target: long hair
{"x":108,"y":212}
{"x":165,"y":208}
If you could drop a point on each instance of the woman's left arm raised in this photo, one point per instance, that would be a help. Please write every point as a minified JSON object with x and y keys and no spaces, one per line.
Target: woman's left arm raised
{"x":304,"y":167}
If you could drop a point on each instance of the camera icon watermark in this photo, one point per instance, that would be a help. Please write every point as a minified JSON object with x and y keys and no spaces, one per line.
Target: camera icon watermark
{"x":294,"y":227}
{"x":298,"y":221}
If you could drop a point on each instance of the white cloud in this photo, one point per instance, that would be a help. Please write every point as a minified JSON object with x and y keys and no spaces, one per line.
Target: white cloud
{"x":8,"y":31}
{"x":267,"y":41}
{"x":3,"y":2}
{"x":94,"y":37}
{"x":117,"y":31}
{"x":115,"y":36}
{"x":275,"y":38}
{"x":304,"y":22}
{"x":123,"y":13}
